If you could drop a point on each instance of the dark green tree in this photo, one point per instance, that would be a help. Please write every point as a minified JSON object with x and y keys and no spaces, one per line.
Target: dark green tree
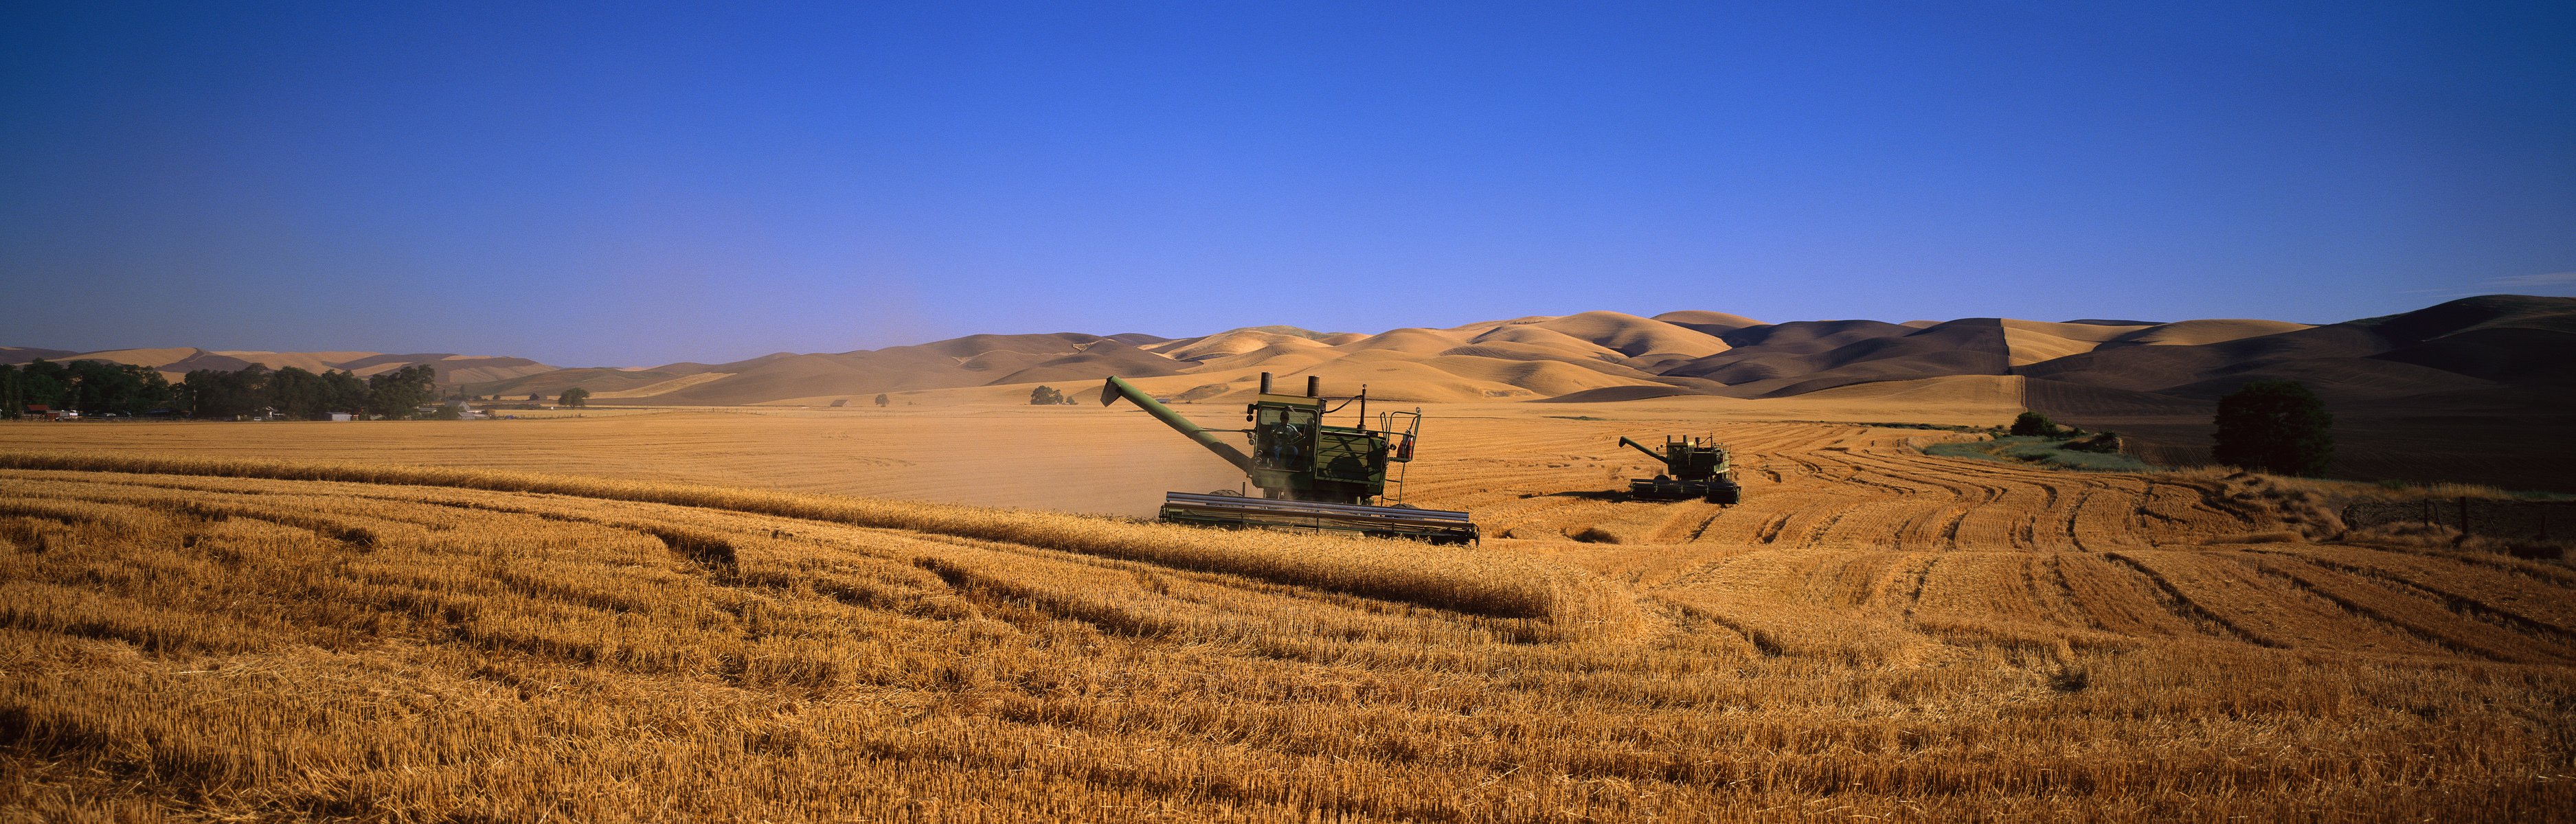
{"x":215,"y":394}
{"x":43,"y":382}
{"x":197,"y":392}
{"x":1045,"y":396}
{"x":2033,"y":423}
{"x":21,"y":386}
{"x":882,"y":400}
{"x":400,"y":393}
{"x":299,"y":395}
{"x":342,"y":391}
{"x":576,"y":398}
{"x":148,"y":391}
{"x":89,"y":386}
{"x":2275,"y":426}
{"x":100,"y":387}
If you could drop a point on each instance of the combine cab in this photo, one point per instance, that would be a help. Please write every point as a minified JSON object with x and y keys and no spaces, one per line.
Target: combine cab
{"x":1694,"y":468}
{"x":1312,"y":477}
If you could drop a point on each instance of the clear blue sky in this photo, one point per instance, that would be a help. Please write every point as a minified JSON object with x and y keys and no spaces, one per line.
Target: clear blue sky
{"x":631,"y":183}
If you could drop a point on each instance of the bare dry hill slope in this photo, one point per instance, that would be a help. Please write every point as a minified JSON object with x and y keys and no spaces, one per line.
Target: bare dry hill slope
{"x":2498,"y":365}
{"x":2480,"y":389}
{"x":1714,"y":323}
{"x":23,"y":354}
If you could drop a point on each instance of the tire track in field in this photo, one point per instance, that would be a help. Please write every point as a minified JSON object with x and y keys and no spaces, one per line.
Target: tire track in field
{"x":2423,"y":619}
{"x":2191,"y":612}
{"x":2456,"y":602}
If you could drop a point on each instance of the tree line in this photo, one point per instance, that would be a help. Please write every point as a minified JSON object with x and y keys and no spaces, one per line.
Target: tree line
{"x":93,"y":388}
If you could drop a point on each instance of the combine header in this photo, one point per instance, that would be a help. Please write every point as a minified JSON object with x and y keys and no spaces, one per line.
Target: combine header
{"x":1695,"y":467}
{"x":1312,"y":476}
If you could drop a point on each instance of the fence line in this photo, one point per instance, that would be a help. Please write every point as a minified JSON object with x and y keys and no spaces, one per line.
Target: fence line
{"x":2511,"y":520}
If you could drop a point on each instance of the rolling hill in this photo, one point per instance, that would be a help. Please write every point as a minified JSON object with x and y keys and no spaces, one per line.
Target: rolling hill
{"x":2486,"y":375}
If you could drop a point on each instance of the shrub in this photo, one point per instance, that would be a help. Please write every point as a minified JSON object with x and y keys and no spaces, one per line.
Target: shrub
{"x":2107,"y":443}
{"x":2033,"y":423}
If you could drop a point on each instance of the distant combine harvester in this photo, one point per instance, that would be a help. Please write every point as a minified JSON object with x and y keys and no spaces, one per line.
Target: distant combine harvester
{"x":1694,"y":468}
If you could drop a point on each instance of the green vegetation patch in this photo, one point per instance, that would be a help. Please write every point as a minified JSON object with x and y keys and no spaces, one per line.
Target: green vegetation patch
{"x":2032,"y":449}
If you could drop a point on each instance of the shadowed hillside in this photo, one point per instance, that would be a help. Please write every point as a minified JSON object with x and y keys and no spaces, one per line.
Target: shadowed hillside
{"x":2486,"y":377}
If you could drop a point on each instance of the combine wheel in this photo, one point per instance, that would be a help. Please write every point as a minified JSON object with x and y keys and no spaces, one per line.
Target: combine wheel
{"x":1725,"y":495}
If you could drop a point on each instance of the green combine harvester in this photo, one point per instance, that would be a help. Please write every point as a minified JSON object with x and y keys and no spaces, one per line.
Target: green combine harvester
{"x":1312,"y":476}
{"x":1694,"y":468}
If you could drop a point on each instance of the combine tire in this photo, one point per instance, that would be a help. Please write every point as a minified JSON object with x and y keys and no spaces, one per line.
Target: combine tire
{"x":1728,"y":495}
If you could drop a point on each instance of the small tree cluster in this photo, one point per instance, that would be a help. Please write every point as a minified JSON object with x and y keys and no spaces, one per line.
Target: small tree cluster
{"x":401,"y":392}
{"x":2275,"y":426}
{"x":2033,"y":423}
{"x":305,"y":396}
{"x":94,"y":387}
{"x":90,"y":387}
{"x":1041,"y":396}
{"x":576,"y":398}
{"x":294,"y":393}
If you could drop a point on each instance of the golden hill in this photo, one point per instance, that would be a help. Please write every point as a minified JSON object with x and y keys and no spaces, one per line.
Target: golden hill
{"x":2502,"y":361}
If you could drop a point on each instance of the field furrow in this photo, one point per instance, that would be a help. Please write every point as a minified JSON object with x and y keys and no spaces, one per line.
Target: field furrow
{"x":2535,"y":603}
{"x":2118,"y":597}
{"x":2232,"y":591}
{"x":437,"y":631}
{"x":2423,"y":618}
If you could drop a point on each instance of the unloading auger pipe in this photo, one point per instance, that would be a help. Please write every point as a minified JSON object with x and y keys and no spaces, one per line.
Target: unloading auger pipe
{"x":1623,"y":441}
{"x":1118,"y":388}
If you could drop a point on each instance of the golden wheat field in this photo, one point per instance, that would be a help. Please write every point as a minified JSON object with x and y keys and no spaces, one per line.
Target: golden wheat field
{"x":784,"y":615}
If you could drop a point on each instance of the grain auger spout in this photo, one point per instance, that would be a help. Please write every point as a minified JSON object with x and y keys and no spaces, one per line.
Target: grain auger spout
{"x":1120,"y":388}
{"x":1312,"y":476}
{"x":1693,"y":468}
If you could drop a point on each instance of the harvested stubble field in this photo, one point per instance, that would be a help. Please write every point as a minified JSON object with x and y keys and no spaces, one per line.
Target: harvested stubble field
{"x":188,"y":632}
